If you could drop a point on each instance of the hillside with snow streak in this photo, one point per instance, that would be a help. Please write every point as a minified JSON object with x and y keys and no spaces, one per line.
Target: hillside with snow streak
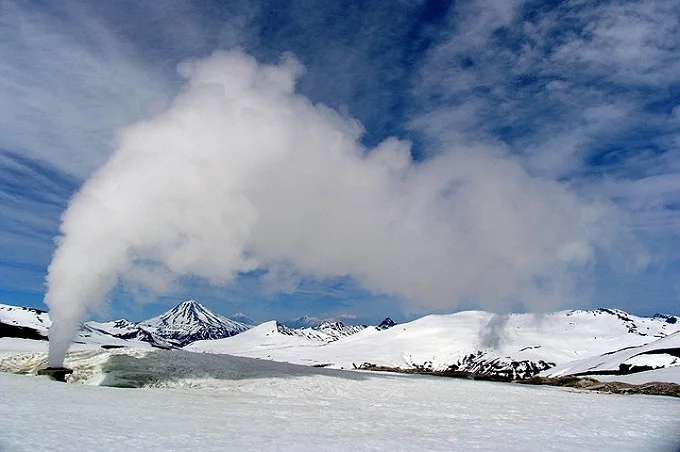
{"x":663,"y":353}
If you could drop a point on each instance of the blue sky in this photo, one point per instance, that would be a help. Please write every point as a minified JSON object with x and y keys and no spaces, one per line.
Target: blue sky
{"x":585,"y":94}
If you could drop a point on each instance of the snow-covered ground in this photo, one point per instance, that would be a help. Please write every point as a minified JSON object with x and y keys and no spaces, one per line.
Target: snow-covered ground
{"x":11,"y":345}
{"x":217,"y":402}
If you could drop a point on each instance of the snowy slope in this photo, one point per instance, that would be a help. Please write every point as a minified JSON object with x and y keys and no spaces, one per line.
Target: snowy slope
{"x":190,"y":321}
{"x":33,"y":324}
{"x":517,"y":345}
{"x":259,"y":341}
{"x":120,"y":328}
{"x":28,"y":323}
{"x":88,"y":335}
{"x":664,"y":352}
{"x":129,"y":331}
{"x":212,"y":403}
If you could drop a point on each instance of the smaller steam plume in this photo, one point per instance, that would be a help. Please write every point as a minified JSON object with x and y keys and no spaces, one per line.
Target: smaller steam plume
{"x":242,"y":173}
{"x":491,"y":336}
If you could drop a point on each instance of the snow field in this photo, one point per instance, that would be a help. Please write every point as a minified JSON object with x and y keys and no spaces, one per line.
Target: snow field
{"x":195,"y":401}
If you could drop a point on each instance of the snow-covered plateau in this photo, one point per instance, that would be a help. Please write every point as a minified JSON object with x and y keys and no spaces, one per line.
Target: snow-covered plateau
{"x":201,"y":401}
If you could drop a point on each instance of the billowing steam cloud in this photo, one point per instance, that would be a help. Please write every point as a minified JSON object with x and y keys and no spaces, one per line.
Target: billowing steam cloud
{"x":243,"y":173}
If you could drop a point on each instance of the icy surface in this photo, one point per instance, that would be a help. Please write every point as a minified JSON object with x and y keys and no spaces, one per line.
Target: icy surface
{"x":216,"y":403}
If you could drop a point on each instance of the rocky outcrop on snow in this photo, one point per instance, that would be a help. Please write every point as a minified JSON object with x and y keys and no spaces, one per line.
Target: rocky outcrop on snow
{"x":385,"y":324}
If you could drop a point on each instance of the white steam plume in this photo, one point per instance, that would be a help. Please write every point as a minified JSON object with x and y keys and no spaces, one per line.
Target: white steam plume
{"x":242,"y":173}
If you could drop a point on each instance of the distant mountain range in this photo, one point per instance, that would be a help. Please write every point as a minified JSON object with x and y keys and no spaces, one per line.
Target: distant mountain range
{"x":242,"y":318}
{"x":325,"y":332}
{"x":184,"y":324}
{"x":314,"y":322}
{"x":601,"y":341}
{"x":187,"y":322}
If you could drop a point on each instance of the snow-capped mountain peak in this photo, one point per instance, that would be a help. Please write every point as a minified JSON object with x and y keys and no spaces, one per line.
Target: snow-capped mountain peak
{"x":190,"y":321}
{"x":242,"y":318}
{"x":303,"y":322}
{"x":185,"y":314}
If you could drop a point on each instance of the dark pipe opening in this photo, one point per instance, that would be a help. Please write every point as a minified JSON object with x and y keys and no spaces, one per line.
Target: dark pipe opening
{"x":56,"y":373}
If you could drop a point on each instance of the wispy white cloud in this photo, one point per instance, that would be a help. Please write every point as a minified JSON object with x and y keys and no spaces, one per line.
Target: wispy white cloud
{"x":66,"y":85}
{"x":625,"y":41}
{"x":560,"y":85}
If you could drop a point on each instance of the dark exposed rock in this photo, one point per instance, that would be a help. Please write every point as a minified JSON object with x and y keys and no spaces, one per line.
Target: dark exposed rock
{"x":504,"y":368}
{"x":385,"y":324}
{"x":672,"y":319}
{"x":23,"y":332}
{"x":451,"y":372}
